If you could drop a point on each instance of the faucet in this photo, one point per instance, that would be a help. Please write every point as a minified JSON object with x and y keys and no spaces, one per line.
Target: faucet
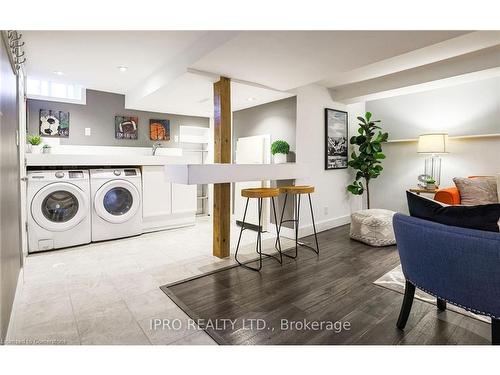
{"x":155,"y":146}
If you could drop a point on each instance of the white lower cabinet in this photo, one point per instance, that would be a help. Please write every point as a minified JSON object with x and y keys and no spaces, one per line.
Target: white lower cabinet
{"x":183,"y":198}
{"x":165,"y":205}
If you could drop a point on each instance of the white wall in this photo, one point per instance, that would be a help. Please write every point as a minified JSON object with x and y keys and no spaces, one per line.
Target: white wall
{"x":470,"y":108}
{"x":472,"y":156}
{"x":332,"y":203}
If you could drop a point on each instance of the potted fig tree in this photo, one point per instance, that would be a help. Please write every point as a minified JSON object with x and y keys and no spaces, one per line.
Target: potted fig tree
{"x":367,"y":161}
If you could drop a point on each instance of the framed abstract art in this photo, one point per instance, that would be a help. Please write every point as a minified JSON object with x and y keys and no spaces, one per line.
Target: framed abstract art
{"x":159,"y":130}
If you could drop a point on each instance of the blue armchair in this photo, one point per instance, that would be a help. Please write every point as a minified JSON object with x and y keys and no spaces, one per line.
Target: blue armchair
{"x":456,"y":265}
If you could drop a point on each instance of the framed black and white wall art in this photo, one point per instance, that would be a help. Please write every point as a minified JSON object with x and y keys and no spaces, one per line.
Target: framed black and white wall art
{"x":336,"y":146}
{"x":54,"y":123}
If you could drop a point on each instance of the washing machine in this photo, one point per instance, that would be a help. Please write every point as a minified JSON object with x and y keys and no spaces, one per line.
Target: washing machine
{"x":58,"y":209}
{"x":116,"y":203}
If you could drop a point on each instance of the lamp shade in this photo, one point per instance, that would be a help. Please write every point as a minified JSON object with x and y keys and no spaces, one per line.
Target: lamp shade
{"x":436,"y":143}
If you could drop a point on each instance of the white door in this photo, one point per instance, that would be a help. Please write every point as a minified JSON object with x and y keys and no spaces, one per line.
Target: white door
{"x":252,"y":150}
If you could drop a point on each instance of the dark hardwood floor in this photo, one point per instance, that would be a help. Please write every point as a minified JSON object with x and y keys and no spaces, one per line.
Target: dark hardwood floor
{"x":335,"y":286}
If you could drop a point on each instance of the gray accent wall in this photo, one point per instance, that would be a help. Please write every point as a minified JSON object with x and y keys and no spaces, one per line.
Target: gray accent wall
{"x":471,"y":108}
{"x":99,"y":115}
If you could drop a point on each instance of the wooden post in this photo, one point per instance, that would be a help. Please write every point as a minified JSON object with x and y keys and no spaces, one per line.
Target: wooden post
{"x":222,"y":154}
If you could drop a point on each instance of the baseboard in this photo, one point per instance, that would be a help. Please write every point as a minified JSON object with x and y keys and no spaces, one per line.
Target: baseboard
{"x":324,"y":225}
{"x":17,"y":297}
{"x":171,"y":221}
{"x":308,"y":229}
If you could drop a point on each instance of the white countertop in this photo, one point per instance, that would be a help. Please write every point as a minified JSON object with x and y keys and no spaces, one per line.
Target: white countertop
{"x":191,"y":174}
{"x":61,"y":160}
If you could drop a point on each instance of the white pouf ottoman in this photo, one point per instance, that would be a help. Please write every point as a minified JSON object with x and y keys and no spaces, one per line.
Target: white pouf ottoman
{"x":373,"y":227}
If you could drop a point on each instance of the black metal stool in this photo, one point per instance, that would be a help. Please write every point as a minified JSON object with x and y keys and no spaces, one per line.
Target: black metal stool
{"x":298,"y":191}
{"x":260,"y":194}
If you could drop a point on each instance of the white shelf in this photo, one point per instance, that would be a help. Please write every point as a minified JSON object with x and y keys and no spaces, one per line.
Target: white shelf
{"x":193,"y":174}
{"x":46,"y":160}
{"x":193,"y":134}
{"x":451,"y":137}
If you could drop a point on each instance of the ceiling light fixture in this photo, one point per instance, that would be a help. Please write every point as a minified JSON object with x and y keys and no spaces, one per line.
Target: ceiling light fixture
{"x":122,"y":68}
{"x":251,"y":99}
{"x":58,"y":72}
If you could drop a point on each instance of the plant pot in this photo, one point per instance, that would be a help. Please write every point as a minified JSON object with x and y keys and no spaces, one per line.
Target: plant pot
{"x":279,"y":158}
{"x":46,"y":150}
{"x":36,"y":149}
{"x":28,"y":148}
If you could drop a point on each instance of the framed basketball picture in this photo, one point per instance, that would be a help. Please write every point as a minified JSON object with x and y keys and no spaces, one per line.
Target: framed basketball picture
{"x":126,"y":127}
{"x":336,"y":146}
{"x":159,"y":130}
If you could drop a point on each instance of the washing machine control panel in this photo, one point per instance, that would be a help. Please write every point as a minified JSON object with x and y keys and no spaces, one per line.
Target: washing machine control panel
{"x":75,"y":174}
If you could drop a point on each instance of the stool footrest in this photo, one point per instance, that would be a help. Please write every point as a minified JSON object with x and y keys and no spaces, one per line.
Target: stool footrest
{"x":289,"y":221}
{"x":250,"y":226}
{"x":260,"y":194}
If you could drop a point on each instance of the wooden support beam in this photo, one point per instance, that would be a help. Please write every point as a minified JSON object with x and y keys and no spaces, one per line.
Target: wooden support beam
{"x":222,"y":154}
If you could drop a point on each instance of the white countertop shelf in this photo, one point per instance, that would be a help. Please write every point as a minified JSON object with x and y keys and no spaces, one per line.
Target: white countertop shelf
{"x":63,"y":160}
{"x":192,"y":174}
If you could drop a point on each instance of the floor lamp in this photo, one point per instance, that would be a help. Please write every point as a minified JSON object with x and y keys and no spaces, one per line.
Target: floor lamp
{"x":433,"y":144}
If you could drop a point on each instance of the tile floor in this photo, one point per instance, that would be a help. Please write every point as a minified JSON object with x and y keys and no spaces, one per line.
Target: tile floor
{"x":108,"y":292}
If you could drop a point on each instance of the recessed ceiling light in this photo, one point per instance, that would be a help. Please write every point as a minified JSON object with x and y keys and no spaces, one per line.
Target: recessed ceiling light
{"x":251,"y":99}
{"x":122,"y":68}
{"x":58,"y":72}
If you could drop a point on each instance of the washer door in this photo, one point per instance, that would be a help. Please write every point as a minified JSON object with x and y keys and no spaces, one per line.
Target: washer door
{"x":117,"y":201}
{"x":59,"y":206}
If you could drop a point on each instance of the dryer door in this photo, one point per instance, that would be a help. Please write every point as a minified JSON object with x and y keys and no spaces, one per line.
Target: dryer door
{"x":117,"y":201}
{"x":59,"y":206}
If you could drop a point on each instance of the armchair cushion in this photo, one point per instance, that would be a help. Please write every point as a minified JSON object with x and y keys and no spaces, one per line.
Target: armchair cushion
{"x":483,"y":217}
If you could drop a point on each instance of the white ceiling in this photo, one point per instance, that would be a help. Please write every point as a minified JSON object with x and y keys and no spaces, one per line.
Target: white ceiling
{"x":173,"y":71}
{"x":91,"y":58}
{"x":288,"y":59}
{"x":192,"y":94}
